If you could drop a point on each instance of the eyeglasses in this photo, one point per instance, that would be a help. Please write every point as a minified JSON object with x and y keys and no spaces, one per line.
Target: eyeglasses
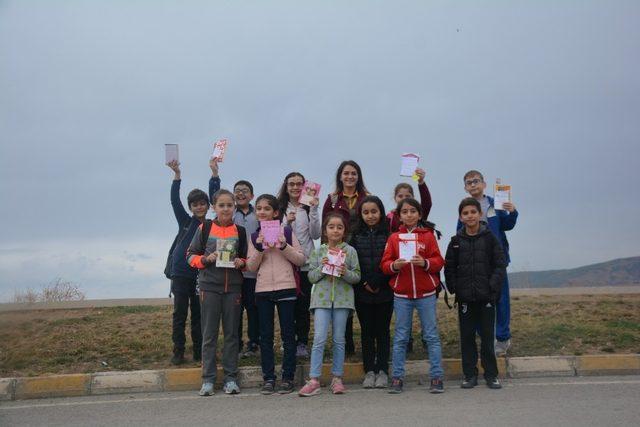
{"x":471,"y":182}
{"x":242,"y":191}
{"x":295,"y":184}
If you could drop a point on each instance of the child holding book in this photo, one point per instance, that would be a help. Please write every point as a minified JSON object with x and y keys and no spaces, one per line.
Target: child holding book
{"x":374,"y":298}
{"x":498,"y":221}
{"x":220,"y":282}
{"x":474,"y":271}
{"x":275,"y":288}
{"x":243,"y":215}
{"x":331,"y":301}
{"x":305,"y":222}
{"x":415,"y":281}
{"x":405,"y":191}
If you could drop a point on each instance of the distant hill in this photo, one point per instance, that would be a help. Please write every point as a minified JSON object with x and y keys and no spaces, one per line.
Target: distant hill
{"x":619,"y":272}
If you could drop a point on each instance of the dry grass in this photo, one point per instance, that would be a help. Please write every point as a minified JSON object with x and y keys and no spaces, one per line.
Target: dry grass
{"x":130,"y":338}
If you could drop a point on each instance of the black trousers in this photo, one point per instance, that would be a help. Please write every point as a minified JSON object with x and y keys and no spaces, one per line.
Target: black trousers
{"x":302,"y":310}
{"x":249,"y":305}
{"x":184,"y":296}
{"x":480,"y":316}
{"x":374,"y":329}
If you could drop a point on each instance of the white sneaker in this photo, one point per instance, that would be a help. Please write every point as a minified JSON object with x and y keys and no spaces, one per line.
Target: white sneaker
{"x":231,"y":387}
{"x":369,"y":380}
{"x":501,"y":347}
{"x":382,"y":380}
{"x":206,"y":390}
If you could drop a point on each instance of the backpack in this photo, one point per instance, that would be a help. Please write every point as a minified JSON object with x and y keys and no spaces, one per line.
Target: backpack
{"x":179,"y":237}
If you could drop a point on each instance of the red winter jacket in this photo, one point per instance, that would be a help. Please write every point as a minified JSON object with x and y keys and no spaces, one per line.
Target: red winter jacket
{"x":411,"y":281}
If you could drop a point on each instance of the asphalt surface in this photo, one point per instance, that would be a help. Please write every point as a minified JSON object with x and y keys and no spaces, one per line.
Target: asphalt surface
{"x":585,"y":401}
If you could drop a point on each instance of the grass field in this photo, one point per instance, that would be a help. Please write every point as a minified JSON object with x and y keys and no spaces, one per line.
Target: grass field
{"x":139,"y":337}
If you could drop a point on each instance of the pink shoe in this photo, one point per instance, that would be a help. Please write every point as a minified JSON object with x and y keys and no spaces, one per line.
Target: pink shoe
{"x":311,"y":388}
{"x":336,"y":386}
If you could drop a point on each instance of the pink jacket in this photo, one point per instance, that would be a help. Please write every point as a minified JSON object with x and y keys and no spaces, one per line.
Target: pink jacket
{"x":274,"y":266}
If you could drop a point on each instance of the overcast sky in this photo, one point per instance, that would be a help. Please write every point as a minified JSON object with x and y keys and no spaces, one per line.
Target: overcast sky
{"x":545,"y":95}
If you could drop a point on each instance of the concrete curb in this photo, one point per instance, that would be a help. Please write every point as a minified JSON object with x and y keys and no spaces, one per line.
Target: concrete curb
{"x":251,"y":376}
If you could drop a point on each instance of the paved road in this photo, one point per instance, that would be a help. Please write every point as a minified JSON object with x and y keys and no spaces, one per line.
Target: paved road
{"x":587,"y":401}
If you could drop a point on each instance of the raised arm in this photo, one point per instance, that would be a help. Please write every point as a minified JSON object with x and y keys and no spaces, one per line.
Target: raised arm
{"x":214,"y":181}
{"x":179,"y":211}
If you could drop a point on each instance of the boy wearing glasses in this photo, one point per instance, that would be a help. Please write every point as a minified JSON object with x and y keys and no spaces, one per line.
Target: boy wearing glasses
{"x":245,"y":216}
{"x":498,"y":222}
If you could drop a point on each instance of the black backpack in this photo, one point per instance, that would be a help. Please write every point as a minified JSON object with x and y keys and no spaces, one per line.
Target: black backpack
{"x":183,"y":231}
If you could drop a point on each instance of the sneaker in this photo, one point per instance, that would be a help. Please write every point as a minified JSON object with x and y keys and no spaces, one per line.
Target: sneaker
{"x":502,"y":347}
{"x":206,"y":390}
{"x":178,"y":357}
{"x":369,"y":380}
{"x":493,"y":383}
{"x":286,"y":387}
{"x":437,"y":386}
{"x":336,"y":386}
{"x":252,"y":351}
{"x":311,"y":388}
{"x":301,"y":351}
{"x":396,"y":386}
{"x":469,"y":382}
{"x":231,"y":387}
{"x":269,"y":387}
{"x":382,"y":380}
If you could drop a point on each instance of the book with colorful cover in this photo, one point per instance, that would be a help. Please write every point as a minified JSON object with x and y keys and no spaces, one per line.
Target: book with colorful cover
{"x":227,"y":252}
{"x":336,"y":258}
{"x":407,"y":246}
{"x":501,"y":195}
{"x":270,"y":231}
{"x":219,"y":148}
{"x":310,"y":191}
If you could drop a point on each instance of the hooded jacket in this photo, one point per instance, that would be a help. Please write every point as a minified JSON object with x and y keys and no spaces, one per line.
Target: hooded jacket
{"x":475,"y":266}
{"x":412,"y":281}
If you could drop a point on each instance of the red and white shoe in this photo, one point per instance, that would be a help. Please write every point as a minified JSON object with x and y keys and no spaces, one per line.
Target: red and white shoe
{"x":336,"y":386}
{"x":311,"y":388}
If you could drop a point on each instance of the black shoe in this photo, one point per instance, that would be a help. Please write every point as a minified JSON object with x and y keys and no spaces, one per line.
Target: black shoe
{"x":396,"y":386}
{"x":286,"y":387}
{"x":437,"y":386}
{"x":269,"y":387}
{"x":178,"y":357}
{"x":493,"y":383}
{"x":197,"y":354}
{"x":470,"y":382}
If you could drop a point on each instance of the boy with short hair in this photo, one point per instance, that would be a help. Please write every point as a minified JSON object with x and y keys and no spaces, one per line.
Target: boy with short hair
{"x":475,"y":268}
{"x":183,"y":277}
{"x":245,"y":216}
{"x":498,"y":221}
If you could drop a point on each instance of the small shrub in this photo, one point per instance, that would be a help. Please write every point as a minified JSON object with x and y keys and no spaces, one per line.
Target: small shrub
{"x":57,"y":290}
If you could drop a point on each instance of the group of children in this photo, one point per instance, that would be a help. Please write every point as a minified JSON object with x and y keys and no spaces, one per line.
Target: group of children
{"x":374,"y":280}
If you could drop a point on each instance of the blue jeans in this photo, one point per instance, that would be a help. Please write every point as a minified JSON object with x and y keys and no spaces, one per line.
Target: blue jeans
{"x":322,"y":317}
{"x":503,"y":313}
{"x":426,"y":308}
{"x":266,"y":305}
